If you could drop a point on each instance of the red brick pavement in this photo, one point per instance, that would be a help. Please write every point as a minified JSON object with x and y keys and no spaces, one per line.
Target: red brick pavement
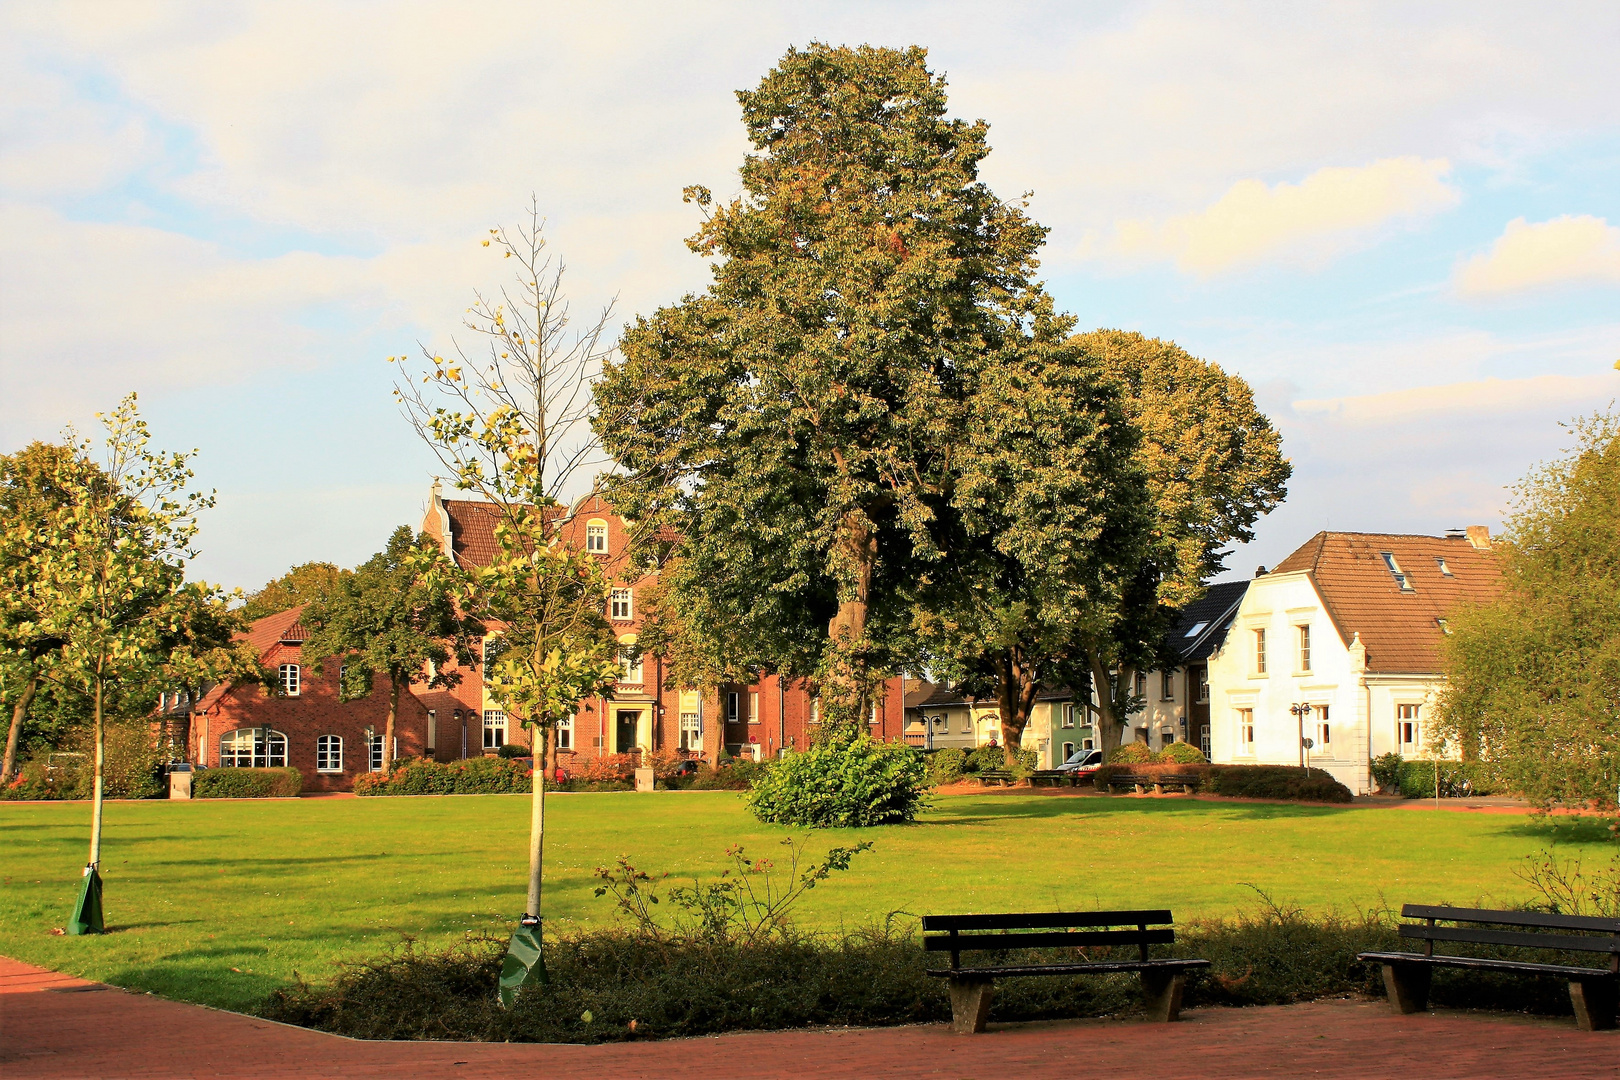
{"x":55,"y":1026}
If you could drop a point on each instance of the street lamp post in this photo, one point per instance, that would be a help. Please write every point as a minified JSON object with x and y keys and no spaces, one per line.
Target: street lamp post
{"x":1300,"y":711}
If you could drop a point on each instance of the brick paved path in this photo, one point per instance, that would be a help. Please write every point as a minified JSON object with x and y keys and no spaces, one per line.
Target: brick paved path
{"x":55,"y":1026}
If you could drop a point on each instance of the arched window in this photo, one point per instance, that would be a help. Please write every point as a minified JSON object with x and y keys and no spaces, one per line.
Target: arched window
{"x":329,"y":754}
{"x":246,"y":748}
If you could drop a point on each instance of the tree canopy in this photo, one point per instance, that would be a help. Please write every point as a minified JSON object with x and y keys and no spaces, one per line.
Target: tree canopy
{"x":796,"y":423}
{"x":307,"y":583}
{"x":1533,"y":678}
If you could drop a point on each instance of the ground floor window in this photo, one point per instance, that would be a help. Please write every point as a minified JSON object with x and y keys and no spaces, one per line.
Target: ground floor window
{"x":329,"y":754}
{"x":565,"y":733}
{"x":1068,"y":751}
{"x":1407,"y":729}
{"x":1245,"y":725}
{"x":494,"y":729}
{"x":691,"y":734}
{"x":1324,"y":730}
{"x":247,"y":748}
{"x":374,"y":753}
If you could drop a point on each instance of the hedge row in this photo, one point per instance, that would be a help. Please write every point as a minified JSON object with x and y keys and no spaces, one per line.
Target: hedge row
{"x":246,"y":783}
{"x":470,"y":776}
{"x":1287,"y":782}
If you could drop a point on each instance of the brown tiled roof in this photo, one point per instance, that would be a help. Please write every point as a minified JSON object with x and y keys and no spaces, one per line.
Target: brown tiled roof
{"x":472,"y":528}
{"x":1400,"y":629}
{"x":263,"y":634}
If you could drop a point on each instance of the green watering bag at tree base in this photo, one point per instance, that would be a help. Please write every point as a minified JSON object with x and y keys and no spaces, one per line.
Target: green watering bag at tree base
{"x":523,"y":964}
{"x":87,"y":912}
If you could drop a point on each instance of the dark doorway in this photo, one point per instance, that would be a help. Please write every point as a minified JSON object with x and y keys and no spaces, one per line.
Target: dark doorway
{"x":626,"y":725}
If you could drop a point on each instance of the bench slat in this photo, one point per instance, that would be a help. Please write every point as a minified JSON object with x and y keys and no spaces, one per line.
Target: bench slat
{"x":1099,"y":968}
{"x":1041,"y":919}
{"x":1512,"y":918}
{"x":1508,"y":937}
{"x":1051,"y":939}
{"x":1563,"y":971}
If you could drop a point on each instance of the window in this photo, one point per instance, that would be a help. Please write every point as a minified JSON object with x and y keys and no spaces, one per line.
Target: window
{"x":1197,"y":628}
{"x":1445,"y":627}
{"x":631,"y":670}
{"x":1139,"y":685}
{"x":967,"y":722}
{"x":691,"y":733}
{"x":1202,"y":679}
{"x":1440,"y":561}
{"x":289,"y":679}
{"x":246,"y":748}
{"x":753,"y":706}
{"x":815,"y":710}
{"x":1260,"y":651}
{"x":877,"y":714}
{"x":494,"y":729}
{"x":565,"y":733}
{"x":1304,"y":647}
{"x":1395,"y":571}
{"x":1166,"y":737}
{"x":433,"y":730}
{"x":596,"y":537}
{"x":1324,"y":730}
{"x":1245,"y":718}
{"x":619,"y":603}
{"x":1407,"y":730}
{"x":329,"y":754}
{"x":1068,"y":751}
{"x":1068,"y":718}
{"x":374,"y":748}
{"x":1167,"y":686}
{"x":733,"y":707}
{"x":1085,"y":744}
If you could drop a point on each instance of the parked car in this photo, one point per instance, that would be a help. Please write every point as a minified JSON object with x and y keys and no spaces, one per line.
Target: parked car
{"x":1083,"y":763}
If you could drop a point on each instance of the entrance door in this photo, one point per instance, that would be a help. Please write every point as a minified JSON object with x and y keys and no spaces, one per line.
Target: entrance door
{"x":625,"y":725}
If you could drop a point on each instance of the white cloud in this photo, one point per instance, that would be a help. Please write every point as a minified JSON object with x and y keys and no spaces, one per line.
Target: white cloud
{"x":1479,"y":399}
{"x":1566,"y":250}
{"x":1329,"y":211}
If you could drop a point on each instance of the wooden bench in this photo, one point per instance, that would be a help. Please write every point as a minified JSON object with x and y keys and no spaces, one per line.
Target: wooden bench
{"x":1142,"y":781}
{"x":997,"y":777}
{"x":1054,"y":778}
{"x":971,"y":987}
{"x":1595,"y":992}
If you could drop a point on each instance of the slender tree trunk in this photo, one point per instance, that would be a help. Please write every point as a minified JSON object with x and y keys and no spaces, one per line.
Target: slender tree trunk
{"x":100,"y":768}
{"x":19,"y":712}
{"x":388,"y":731}
{"x":550,"y":750}
{"x":537,"y":837}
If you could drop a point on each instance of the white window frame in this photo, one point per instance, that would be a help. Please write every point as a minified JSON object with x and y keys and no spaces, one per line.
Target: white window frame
{"x":250,"y":743}
{"x":1304,"y":646}
{"x":329,"y":753}
{"x":753,"y":707}
{"x":733,"y":707}
{"x":565,"y":733}
{"x":374,"y":752}
{"x":1409,"y":719}
{"x":291,"y":679}
{"x":596,"y":538}
{"x":1203,"y":684}
{"x":621,"y":604}
{"x":1260,"y":650}
{"x":1245,"y":731}
{"x":691,"y":735}
{"x":1068,"y":717}
{"x":1167,"y":685}
{"x":632,"y":671}
{"x":494,"y":726}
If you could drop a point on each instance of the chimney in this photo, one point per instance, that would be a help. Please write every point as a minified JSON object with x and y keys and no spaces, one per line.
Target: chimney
{"x":1259,"y":571}
{"x":1456,"y":534}
{"x":1479,"y":537}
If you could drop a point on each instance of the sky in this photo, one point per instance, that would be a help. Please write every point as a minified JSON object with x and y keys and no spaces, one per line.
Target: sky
{"x":1400,"y":223}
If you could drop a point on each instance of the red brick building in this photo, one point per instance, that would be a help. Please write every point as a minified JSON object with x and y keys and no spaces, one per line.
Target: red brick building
{"x":332,"y":741}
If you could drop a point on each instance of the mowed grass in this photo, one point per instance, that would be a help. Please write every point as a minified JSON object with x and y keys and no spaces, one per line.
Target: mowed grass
{"x":220,"y":902}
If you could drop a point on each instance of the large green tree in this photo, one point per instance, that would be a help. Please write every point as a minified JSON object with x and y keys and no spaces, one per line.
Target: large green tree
{"x":1212,"y":465}
{"x":795,"y":424}
{"x":306,"y":583}
{"x":1533,"y":677}
{"x":394,"y":616}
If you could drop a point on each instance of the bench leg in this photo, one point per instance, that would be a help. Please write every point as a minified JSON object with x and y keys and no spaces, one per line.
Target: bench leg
{"x":1163,"y":991}
{"x":1596,"y":1002}
{"x":970,"y":1004}
{"x":1158,"y":789}
{"x":1139,"y":789}
{"x":1407,"y":986}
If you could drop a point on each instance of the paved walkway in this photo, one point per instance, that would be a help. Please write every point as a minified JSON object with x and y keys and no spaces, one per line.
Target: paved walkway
{"x":55,"y":1026}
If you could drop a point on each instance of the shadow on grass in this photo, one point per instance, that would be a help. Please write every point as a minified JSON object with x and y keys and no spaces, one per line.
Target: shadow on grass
{"x":1005,"y":808}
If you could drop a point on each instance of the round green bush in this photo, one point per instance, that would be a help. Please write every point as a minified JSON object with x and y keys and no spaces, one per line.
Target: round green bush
{"x":945,"y":766}
{"x":842,"y":785}
{"x":1182,"y":753}
{"x":1132,"y":753}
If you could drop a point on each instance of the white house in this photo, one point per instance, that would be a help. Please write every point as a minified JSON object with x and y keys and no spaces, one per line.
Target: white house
{"x":1339,"y":646}
{"x":1176,"y":699}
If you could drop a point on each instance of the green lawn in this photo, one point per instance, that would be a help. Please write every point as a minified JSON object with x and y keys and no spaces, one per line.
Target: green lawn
{"x":219,"y":902}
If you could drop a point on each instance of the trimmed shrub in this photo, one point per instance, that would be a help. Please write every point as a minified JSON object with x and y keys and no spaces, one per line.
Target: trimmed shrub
{"x":945,"y":766}
{"x":1386,"y":771}
{"x":842,"y":785}
{"x":983,"y":759}
{"x":246,"y":783}
{"x":513,"y":750}
{"x":1182,"y":753}
{"x":1276,"y":782}
{"x":1458,"y":779}
{"x":472,"y":776}
{"x":1132,"y":753}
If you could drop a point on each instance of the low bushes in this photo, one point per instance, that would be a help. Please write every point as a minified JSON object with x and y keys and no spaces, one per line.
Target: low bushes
{"x":739,"y":775}
{"x":1458,"y":779}
{"x":472,"y":776}
{"x":842,"y":785}
{"x":246,"y":783}
{"x":1286,"y":782}
{"x":946,"y":766}
{"x":132,"y":769}
{"x":1182,"y":753}
{"x":1132,"y":753}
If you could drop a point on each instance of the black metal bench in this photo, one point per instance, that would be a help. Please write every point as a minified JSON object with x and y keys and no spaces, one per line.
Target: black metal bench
{"x":971,"y":987}
{"x":1595,"y":992}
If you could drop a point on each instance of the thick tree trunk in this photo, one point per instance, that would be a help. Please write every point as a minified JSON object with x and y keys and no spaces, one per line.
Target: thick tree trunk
{"x":19,"y":713}
{"x":1110,"y":723}
{"x":388,"y":731}
{"x":847,"y":691}
{"x":1015,"y":698}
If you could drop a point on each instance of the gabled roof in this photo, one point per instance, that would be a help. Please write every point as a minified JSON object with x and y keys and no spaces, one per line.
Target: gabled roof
{"x":1202,"y":625}
{"x":1399,"y":627}
{"x":931,"y":695}
{"x":272,"y":629}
